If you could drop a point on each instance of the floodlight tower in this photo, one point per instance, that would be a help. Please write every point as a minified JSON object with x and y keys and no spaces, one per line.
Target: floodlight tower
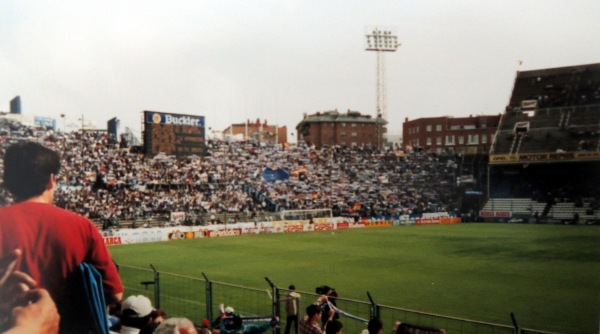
{"x":381,"y":40}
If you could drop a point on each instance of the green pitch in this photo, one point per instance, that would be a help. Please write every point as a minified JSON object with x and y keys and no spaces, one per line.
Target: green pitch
{"x":549,"y":276}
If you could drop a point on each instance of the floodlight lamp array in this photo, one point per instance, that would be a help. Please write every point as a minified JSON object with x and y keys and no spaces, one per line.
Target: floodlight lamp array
{"x":382,"y":40}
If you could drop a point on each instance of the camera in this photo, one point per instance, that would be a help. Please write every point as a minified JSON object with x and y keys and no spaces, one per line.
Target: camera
{"x":324,"y":290}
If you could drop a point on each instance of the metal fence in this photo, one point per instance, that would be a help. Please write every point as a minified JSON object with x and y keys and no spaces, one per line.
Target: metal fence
{"x":199,"y":299}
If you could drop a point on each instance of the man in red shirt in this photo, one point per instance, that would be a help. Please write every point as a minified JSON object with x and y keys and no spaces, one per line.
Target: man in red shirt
{"x":53,"y":241}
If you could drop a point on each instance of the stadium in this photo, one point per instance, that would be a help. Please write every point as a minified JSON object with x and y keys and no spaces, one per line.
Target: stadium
{"x":513,"y":249}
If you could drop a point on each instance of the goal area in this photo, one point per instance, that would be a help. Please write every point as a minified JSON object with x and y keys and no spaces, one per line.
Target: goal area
{"x":304,"y":214}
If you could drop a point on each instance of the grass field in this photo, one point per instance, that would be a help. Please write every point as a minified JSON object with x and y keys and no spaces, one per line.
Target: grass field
{"x":548,"y":275}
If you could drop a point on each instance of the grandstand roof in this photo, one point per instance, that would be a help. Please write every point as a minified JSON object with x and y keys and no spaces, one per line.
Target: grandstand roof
{"x":556,"y":86}
{"x":557,"y":70}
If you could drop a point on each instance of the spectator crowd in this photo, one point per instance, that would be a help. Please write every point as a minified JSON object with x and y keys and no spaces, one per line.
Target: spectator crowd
{"x":101,"y":179}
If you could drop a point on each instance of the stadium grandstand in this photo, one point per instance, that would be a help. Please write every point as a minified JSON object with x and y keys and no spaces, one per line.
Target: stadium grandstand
{"x":244,"y":181}
{"x":544,"y":165}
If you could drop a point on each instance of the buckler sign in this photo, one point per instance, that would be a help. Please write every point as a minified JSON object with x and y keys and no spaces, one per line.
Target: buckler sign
{"x":174,"y":119}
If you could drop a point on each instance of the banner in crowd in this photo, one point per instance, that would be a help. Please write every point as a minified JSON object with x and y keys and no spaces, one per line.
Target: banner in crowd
{"x":272,"y":175}
{"x":177,"y":217}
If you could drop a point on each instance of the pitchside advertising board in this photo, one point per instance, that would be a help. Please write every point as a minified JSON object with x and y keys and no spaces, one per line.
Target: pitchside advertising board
{"x":331,"y":224}
{"x":173,"y":134}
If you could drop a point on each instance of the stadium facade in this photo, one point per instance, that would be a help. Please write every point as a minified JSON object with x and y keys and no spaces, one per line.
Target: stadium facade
{"x":467,"y":135}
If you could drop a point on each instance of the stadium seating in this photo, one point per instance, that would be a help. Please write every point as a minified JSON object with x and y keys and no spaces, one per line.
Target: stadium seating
{"x":518,"y":206}
{"x":566,"y":212}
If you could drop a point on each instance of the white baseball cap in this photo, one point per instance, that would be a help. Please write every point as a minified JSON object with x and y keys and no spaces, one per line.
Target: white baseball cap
{"x":229,"y":309}
{"x":140,"y":305}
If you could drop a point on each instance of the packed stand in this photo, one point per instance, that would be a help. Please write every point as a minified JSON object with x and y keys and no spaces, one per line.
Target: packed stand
{"x":104,"y":181}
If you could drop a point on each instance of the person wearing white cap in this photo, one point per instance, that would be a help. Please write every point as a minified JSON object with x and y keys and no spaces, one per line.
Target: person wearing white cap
{"x":135,"y":314}
{"x":227,"y":316}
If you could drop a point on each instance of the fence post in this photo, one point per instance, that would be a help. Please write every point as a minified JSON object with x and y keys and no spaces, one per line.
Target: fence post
{"x":374,"y":307}
{"x":156,"y":287}
{"x":209,"y":308}
{"x":275,"y":306}
{"x":514,"y":320}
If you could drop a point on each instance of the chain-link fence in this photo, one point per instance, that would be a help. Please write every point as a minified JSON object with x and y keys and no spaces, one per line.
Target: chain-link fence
{"x":200,"y":298}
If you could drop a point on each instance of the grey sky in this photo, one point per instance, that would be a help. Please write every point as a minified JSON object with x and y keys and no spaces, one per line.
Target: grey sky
{"x":277,"y":59}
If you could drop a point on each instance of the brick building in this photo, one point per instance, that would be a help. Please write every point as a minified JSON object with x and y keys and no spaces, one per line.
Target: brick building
{"x":473,"y":134}
{"x":258,"y":131}
{"x":334,"y":128}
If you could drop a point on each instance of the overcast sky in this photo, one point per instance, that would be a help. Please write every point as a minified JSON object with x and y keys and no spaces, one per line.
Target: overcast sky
{"x":278,"y":59}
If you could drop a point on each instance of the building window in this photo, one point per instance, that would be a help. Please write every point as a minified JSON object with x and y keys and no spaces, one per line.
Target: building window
{"x":473,"y":140}
{"x":438,"y":141}
{"x":484,"y":139}
{"x":354,"y":134}
{"x":428,"y":128}
{"x":438,"y":127}
{"x":461,"y":140}
{"x":353,"y":125}
{"x":428,"y":140}
{"x":343,"y":134}
{"x":343,"y":125}
{"x":450,"y":140}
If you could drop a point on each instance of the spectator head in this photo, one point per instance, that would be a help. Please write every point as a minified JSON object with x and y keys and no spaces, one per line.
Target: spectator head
{"x":28,"y":169}
{"x":334,"y":327}
{"x":375,"y":326}
{"x":136,"y":311}
{"x":229,"y":310}
{"x":313,"y":311}
{"x":176,"y":326}
{"x":158,"y":316}
{"x":292,"y":287}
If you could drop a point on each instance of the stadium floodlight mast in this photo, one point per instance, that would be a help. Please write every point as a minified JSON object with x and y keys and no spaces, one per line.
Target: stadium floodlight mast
{"x":381,"y":40}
